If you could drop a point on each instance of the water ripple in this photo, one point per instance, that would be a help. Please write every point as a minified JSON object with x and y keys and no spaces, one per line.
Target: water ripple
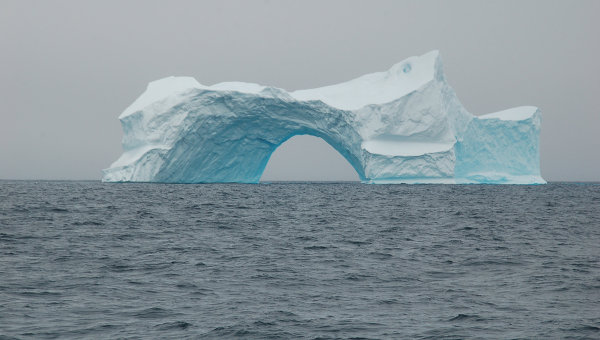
{"x":311,"y":261}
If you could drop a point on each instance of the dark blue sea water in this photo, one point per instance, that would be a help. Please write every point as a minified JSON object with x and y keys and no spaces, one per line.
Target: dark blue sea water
{"x":299,"y":261}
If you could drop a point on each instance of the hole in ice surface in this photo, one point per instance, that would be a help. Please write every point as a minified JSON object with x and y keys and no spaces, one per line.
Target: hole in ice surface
{"x":308,"y":158}
{"x":406,"y":68}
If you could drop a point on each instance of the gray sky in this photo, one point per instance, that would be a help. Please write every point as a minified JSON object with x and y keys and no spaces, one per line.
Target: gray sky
{"x":68,"y":68}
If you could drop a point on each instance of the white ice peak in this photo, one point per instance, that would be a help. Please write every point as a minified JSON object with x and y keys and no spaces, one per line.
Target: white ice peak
{"x":373,"y":88}
{"x":376,"y":88}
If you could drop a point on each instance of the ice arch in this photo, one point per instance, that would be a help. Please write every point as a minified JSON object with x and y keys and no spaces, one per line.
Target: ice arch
{"x":404,"y":125}
{"x":225,"y":137}
{"x":307,"y":158}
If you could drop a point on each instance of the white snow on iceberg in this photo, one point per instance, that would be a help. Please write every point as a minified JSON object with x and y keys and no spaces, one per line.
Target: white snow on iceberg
{"x":404,"y":125}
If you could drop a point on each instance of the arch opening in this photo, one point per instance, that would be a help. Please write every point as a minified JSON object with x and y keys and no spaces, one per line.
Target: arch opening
{"x":305,"y":157}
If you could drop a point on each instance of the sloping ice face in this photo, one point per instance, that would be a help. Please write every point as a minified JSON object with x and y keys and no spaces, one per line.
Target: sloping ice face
{"x":403,"y":125}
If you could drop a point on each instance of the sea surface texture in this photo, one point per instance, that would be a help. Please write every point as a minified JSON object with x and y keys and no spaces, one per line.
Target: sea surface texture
{"x":91,"y":260}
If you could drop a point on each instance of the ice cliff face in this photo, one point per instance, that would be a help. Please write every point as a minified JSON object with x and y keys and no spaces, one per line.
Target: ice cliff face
{"x":405,"y":125}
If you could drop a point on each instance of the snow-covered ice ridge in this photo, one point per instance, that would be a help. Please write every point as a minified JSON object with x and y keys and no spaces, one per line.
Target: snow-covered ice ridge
{"x":404,"y":125}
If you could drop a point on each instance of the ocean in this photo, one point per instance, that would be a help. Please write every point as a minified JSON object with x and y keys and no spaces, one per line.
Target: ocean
{"x":92,"y":260}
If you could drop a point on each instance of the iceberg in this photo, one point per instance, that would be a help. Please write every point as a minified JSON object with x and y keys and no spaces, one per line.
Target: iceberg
{"x":403,"y":125}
